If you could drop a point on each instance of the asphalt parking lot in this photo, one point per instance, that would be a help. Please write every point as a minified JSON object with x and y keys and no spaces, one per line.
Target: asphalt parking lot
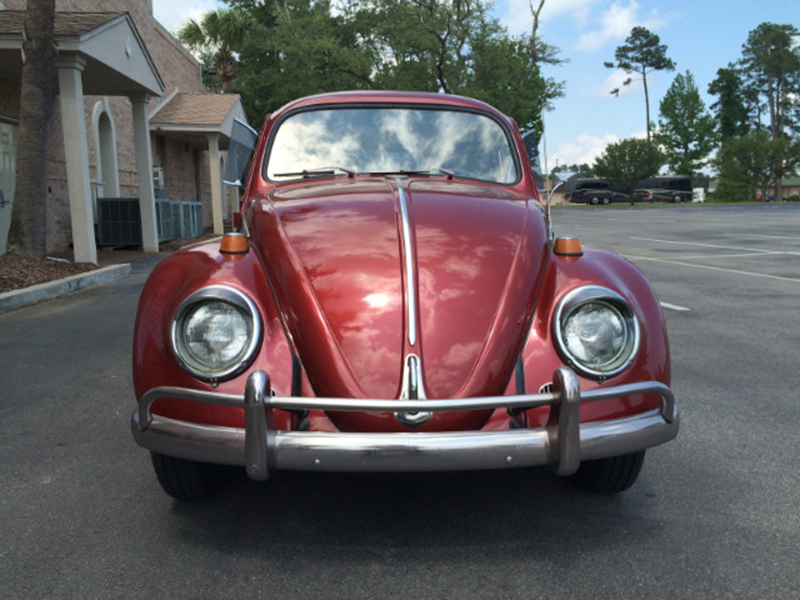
{"x":756,"y":241}
{"x":714,"y":513}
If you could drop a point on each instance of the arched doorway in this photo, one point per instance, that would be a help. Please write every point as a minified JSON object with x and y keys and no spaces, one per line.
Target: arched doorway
{"x":8,"y":156}
{"x":106,"y":181}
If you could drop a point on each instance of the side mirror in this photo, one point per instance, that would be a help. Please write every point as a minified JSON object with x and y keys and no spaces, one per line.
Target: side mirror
{"x":240,"y":154}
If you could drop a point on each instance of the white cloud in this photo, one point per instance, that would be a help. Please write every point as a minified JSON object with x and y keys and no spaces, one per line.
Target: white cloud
{"x":584,"y":150}
{"x":616,"y":80}
{"x":173,"y":14}
{"x":616,"y":24}
{"x":517,"y":17}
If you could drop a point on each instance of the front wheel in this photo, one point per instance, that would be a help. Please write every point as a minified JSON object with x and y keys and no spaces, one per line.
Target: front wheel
{"x":610,"y":475}
{"x":188,"y":480}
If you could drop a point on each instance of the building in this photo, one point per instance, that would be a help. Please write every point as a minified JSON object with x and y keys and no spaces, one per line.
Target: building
{"x":790,"y":188}
{"x":131,"y":119}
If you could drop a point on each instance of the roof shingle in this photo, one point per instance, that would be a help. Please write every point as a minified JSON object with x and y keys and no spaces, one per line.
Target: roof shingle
{"x":195,"y":109}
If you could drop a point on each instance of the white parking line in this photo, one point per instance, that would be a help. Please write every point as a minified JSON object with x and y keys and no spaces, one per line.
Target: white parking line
{"x":696,"y":266}
{"x":770,"y":237}
{"x":674,"y":307}
{"x":683,"y":243}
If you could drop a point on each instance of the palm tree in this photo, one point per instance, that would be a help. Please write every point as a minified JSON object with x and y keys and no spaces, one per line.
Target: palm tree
{"x":28,"y":234}
{"x":218,"y":33}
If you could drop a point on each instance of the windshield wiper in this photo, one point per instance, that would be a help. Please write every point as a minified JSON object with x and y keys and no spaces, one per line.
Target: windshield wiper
{"x":320,"y":172}
{"x":448,"y":174}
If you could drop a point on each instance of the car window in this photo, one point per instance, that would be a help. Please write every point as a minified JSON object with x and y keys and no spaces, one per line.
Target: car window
{"x":392,"y":140}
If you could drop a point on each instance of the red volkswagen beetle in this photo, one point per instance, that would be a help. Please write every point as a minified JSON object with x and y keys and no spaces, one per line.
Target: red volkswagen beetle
{"x":395,"y":300}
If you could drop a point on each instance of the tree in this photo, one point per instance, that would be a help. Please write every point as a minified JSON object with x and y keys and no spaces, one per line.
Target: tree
{"x":771,"y":64}
{"x":28,"y":233}
{"x":629,"y":161}
{"x":583,"y":170}
{"x":686,"y":130}
{"x":731,"y":109}
{"x":642,"y":53}
{"x":216,"y":36}
{"x":301,"y":47}
{"x":751,"y":160}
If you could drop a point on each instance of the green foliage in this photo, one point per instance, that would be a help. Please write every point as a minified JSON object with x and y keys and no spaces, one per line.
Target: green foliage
{"x":759,"y":109}
{"x":582,"y":170}
{"x":299,"y":47}
{"x":732,"y":110}
{"x":771,"y":65}
{"x":687,"y":131}
{"x":629,"y":161}
{"x":642,"y":53}
{"x":758,"y":160}
{"x":217,"y":37}
{"x":733,"y":191}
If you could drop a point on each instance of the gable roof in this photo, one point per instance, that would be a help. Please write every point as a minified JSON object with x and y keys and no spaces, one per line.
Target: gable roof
{"x":194,"y":116}
{"x":117,"y":61}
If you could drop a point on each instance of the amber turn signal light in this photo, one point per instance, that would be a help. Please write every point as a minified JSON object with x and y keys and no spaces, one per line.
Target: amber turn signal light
{"x":234,"y":243}
{"x":568,"y":246}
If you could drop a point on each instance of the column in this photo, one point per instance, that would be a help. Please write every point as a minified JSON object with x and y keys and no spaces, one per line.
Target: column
{"x":216,"y":183}
{"x":144,"y":165}
{"x":73,"y":125}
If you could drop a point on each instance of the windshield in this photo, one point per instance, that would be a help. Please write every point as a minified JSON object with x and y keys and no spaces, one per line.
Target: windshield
{"x":392,"y":140}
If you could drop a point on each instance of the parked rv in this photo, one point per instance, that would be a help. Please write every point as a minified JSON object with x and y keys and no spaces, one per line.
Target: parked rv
{"x":677,"y":188}
{"x":597,"y":191}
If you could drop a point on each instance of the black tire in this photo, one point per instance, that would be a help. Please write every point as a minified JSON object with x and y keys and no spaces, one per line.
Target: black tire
{"x":188,"y":480}
{"x":606,"y":201}
{"x":610,"y":475}
{"x":594,"y":201}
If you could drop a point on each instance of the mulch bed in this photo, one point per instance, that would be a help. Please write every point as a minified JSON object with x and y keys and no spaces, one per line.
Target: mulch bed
{"x":18,"y":271}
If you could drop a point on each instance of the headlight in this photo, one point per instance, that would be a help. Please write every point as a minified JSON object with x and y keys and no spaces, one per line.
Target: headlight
{"x":596,"y":331}
{"x":215,"y":332}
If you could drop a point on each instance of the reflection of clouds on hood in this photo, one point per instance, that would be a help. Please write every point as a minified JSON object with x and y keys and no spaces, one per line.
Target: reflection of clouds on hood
{"x":374,"y":140}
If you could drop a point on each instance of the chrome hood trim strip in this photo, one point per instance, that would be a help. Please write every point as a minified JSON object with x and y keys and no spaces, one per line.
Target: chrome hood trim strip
{"x":408,"y":264}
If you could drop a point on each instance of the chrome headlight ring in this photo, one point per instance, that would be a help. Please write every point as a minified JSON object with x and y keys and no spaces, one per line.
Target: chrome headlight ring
{"x":596,"y":331}
{"x":215,"y":333}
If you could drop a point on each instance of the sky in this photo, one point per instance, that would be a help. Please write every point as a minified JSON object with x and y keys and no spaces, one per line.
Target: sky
{"x":701,"y":37}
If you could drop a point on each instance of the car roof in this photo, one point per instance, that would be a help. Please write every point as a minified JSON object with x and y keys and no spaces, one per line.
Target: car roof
{"x":389,"y":97}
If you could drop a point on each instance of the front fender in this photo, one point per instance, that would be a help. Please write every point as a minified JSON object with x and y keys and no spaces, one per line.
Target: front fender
{"x":541,"y":356}
{"x":175,"y":278}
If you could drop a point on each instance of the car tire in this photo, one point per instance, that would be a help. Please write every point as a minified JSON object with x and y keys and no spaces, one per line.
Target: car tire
{"x":610,"y":475}
{"x":606,"y":201}
{"x":594,"y":201}
{"x":188,"y":480}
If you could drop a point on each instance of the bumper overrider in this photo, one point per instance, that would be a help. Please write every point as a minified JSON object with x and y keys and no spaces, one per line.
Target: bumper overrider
{"x":260,"y":448}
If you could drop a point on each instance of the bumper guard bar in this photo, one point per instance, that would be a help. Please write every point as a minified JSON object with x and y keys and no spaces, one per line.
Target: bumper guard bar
{"x":260,"y":448}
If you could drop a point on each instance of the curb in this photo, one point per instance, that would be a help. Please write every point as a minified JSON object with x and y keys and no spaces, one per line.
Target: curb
{"x":47,"y":291}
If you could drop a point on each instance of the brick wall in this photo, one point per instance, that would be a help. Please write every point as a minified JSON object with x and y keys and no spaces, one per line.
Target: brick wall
{"x":186,"y":168}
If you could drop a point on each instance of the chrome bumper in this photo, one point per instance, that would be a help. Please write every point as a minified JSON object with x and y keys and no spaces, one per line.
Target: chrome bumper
{"x":260,"y":448}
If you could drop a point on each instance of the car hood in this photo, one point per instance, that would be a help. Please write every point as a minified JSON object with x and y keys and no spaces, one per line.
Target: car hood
{"x":357,"y":298}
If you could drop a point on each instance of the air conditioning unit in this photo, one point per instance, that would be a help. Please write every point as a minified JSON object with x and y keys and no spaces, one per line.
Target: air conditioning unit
{"x":158,"y":178}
